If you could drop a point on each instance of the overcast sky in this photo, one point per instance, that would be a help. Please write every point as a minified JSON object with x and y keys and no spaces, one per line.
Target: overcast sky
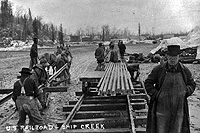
{"x":154,"y":15}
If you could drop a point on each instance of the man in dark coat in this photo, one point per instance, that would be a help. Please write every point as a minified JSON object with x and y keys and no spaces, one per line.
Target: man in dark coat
{"x":34,"y":53}
{"x":169,"y":85}
{"x":40,"y":77}
{"x":99,"y":55}
{"x":122,"y":49}
{"x":61,"y":60}
{"x":24,"y":93}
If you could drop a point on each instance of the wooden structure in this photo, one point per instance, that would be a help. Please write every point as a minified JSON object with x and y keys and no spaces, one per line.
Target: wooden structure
{"x":109,"y":102}
{"x":123,"y":112}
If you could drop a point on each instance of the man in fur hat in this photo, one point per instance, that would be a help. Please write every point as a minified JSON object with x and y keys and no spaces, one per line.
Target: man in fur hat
{"x":169,"y":85}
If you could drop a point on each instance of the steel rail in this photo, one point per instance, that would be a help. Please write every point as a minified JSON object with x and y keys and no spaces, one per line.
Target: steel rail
{"x":72,"y":113}
{"x":57,"y":73}
{"x":131,"y":115}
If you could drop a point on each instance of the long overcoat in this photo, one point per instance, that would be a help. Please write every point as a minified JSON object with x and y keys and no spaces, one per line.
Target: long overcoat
{"x":153,"y":84}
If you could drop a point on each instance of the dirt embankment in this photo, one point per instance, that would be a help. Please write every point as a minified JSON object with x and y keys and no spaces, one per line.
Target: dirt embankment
{"x":12,"y":62}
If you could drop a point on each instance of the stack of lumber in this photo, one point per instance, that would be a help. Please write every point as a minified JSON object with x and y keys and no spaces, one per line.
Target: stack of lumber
{"x":116,"y":79}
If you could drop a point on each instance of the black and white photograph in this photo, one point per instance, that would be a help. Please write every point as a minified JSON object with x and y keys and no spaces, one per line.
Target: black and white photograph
{"x":100,"y":66}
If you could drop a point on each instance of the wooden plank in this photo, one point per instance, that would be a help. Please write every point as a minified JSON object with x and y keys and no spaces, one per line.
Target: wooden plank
{"x":5,"y":91}
{"x":140,"y":96}
{"x":137,"y":100}
{"x":90,"y":93}
{"x":110,"y":97}
{"x":138,"y":106}
{"x":140,"y":120}
{"x":96,"y":107}
{"x":106,"y":122}
{"x":56,"y":89}
{"x":141,"y":112}
{"x":140,"y":130}
{"x":109,"y":113}
{"x":137,"y":92}
{"x":141,"y":90}
{"x":100,"y":101}
{"x":100,"y":114}
{"x":93,"y":93}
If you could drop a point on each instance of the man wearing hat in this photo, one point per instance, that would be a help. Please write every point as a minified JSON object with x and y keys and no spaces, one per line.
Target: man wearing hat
{"x":24,"y":93}
{"x":62,"y":59}
{"x":40,"y":72}
{"x":34,"y":53}
{"x":169,"y":85}
{"x":99,"y":55}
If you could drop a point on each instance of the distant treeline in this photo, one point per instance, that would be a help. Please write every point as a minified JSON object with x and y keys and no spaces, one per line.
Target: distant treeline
{"x":22,"y":25}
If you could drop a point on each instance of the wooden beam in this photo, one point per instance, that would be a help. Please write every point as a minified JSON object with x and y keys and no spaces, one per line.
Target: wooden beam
{"x":101,"y":101}
{"x":140,"y":96}
{"x":138,"y":106}
{"x":96,"y":107}
{"x":107,"y":97}
{"x":140,"y":120}
{"x":140,"y":130}
{"x":56,"y":89}
{"x":106,"y":122}
{"x":100,"y":114}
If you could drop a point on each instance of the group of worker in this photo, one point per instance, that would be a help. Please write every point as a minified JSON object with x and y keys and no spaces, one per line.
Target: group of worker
{"x":103,"y":54}
{"x":169,"y":85}
{"x":28,"y":90}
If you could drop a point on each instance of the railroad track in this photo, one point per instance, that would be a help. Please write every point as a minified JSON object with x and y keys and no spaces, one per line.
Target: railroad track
{"x":110,"y":114}
{"x":121,"y":112}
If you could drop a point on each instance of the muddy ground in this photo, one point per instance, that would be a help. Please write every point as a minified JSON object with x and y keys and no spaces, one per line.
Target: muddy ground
{"x":12,"y":62}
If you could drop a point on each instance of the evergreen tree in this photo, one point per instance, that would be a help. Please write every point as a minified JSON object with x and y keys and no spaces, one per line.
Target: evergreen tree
{"x":60,"y":35}
{"x":25,"y":28}
{"x":30,"y":15}
{"x":6,"y":14}
{"x":35,"y":27}
{"x":52,"y":33}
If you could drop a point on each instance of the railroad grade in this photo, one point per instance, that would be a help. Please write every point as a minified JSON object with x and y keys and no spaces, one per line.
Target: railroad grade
{"x":97,"y":112}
